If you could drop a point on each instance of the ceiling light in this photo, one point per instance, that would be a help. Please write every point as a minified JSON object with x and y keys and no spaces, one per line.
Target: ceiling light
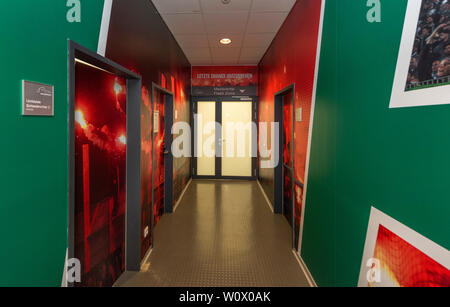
{"x":225,"y":41}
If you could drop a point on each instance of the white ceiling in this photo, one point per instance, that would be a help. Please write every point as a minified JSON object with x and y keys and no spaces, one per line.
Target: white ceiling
{"x":198,"y":26}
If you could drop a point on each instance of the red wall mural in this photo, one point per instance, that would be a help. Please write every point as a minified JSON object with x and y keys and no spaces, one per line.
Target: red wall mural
{"x":181,"y":166}
{"x":225,"y":81}
{"x":158,"y":157}
{"x":404,"y":265}
{"x":291,"y":59}
{"x":100,"y":167}
{"x":288,"y":159}
{"x":146,"y":46}
{"x":146,"y":170}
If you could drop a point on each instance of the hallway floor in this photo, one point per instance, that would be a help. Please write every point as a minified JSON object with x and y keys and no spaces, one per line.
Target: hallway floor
{"x":222,"y":234}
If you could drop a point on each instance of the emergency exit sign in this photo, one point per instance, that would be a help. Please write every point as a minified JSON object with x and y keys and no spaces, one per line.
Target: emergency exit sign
{"x":37,"y":99}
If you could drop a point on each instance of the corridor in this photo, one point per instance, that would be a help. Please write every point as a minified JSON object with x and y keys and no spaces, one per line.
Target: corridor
{"x":222,"y":234}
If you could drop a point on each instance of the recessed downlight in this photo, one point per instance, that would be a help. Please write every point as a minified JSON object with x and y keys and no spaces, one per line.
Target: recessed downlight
{"x":225,"y":41}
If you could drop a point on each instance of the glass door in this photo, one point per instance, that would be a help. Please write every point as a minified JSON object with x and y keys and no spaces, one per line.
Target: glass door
{"x":206,"y":138}
{"x":224,"y":137}
{"x":237,"y":138}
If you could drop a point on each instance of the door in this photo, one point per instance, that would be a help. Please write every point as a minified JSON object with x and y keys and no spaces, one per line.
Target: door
{"x":225,"y":138}
{"x":237,"y":138}
{"x":206,"y":138}
{"x":162,"y":155}
{"x":288,"y":159}
{"x":284,"y":181}
{"x":100,"y":150}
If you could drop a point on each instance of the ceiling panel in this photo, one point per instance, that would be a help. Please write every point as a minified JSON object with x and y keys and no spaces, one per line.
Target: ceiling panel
{"x":177,"y":6}
{"x":218,"y":6}
{"x":265,"y":22}
{"x":185,"y":23}
{"x":199,"y":25}
{"x":272,"y":5}
{"x":253,"y":52}
{"x":225,"y":52}
{"x":258,"y":39}
{"x":249,"y":61}
{"x":197,"y":52}
{"x":230,"y":22}
{"x":193,"y":40}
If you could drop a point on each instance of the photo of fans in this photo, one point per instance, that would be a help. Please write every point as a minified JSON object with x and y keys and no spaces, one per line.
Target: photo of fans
{"x":430,"y":60}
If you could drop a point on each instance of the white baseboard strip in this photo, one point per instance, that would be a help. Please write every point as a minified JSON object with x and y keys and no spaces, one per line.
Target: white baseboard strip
{"x":182,"y":194}
{"x":145,"y":264}
{"x":265,"y":196}
{"x":305,"y":270}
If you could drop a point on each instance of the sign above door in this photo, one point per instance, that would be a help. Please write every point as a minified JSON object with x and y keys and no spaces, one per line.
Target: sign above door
{"x":224,"y":81}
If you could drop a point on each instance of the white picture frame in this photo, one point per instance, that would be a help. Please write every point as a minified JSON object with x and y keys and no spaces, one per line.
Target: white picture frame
{"x":400,"y":98}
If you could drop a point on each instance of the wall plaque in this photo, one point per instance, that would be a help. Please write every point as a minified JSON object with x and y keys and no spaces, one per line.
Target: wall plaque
{"x":37,"y":99}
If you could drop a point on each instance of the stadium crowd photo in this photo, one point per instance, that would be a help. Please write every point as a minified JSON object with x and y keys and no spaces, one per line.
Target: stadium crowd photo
{"x":430,"y":61}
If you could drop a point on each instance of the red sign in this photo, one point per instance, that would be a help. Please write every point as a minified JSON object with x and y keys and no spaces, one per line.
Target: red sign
{"x":224,"y":81}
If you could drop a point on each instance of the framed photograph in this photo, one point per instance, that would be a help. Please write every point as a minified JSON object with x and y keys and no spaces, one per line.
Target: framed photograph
{"x":397,"y":256}
{"x":422,"y":75}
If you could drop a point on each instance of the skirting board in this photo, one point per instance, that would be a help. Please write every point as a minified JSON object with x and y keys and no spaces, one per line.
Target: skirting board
{"x":182,"y":194}
{"x":265,"y":196}
{"x":144,"y":264}
{"x":305,"y":270}
{"x":300,"y":261}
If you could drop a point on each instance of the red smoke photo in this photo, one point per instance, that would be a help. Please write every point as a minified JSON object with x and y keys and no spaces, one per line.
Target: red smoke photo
{"x":146,"y":170}
{"x":100,"y":167}
{"x":404,"y":265}
{"x":158,"y":140}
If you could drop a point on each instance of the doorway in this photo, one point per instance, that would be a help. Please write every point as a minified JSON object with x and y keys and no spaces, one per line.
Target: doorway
{"x":225,"y":138}
{"x":162,"y":154}
{"x":284,"y":172}
{"x":104,"y":167}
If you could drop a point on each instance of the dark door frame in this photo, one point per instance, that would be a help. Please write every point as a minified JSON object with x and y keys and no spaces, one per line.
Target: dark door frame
{"x":279,"y":169}
{"x":168,"y":155}
{"x":133,"y":159}
{"x":219,"y":100}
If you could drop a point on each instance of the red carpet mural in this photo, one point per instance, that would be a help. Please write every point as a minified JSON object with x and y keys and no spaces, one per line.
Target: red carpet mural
{"x":100,"y":183}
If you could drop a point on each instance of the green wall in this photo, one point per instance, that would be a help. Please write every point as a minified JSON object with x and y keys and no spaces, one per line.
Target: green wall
{"x":33,"y":155}
{"x":363,"y":153}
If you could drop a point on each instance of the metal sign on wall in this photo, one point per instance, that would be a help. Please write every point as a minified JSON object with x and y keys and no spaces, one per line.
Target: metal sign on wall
{"x":37,"y":99}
